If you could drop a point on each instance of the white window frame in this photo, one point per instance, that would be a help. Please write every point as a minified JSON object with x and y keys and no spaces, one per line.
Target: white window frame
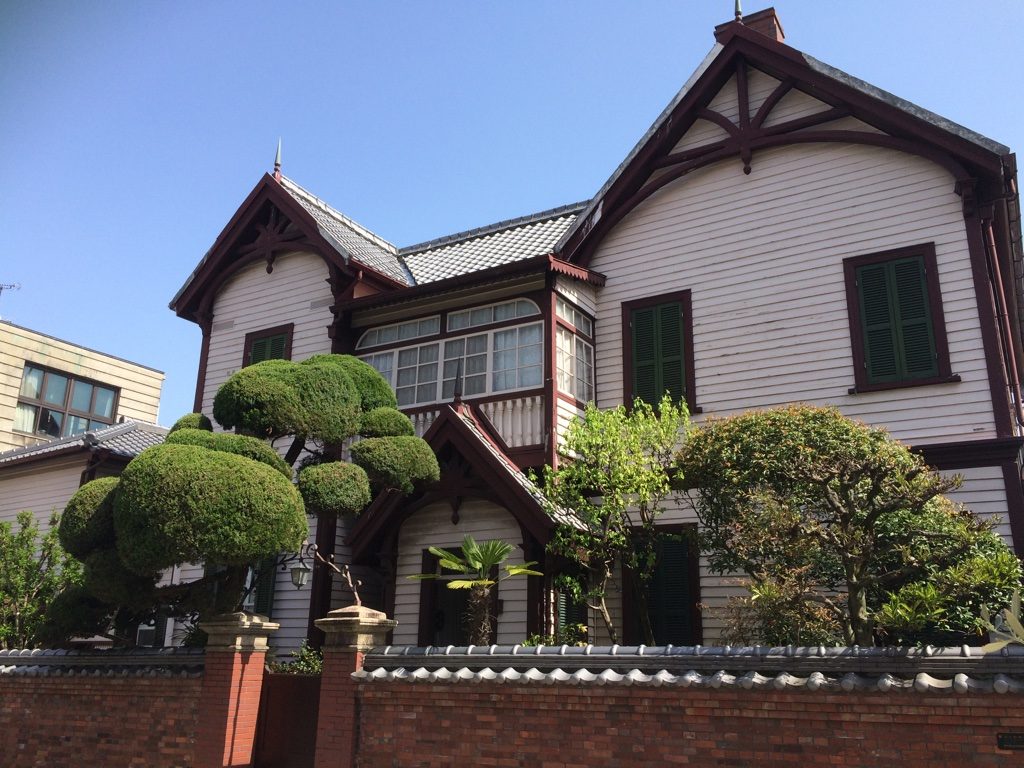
{"x":574,"y":365}
{"x":421,"y":328}
{"x":442,"y":376}
{"x":574,"y":316}
{"x":532,"y":310}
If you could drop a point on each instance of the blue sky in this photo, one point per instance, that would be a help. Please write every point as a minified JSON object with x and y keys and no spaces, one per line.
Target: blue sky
{"x":131,"y":131}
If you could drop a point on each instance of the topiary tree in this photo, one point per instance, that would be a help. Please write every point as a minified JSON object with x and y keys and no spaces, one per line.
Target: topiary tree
{"x":836,"y":514}
{"x":228,"y":499}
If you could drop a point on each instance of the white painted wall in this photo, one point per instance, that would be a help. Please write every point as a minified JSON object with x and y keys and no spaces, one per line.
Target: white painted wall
{"x":295,"y":292}
{"x":762,"y":255}
{"x":41,"y":487}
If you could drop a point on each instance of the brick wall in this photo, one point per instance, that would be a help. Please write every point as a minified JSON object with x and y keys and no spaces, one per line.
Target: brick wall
{"x":127,"y":722}
{"x":572,"y":726}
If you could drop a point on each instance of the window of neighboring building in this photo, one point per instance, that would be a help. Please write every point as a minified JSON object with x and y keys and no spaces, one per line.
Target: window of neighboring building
{"x":494,"y":361}
{"x":268,"y":344}
{"x":55,"y":404}
{"x":657,"y":343}
{"x":896,"y":323}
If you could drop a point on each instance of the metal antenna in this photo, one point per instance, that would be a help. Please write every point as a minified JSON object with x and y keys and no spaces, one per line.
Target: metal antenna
{"x":9,"y":287}
{"x":277,"y":161}
{"x":739,"y":11}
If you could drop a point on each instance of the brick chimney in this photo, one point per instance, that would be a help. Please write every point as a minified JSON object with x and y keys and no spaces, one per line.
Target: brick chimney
{"x":767,"y":23}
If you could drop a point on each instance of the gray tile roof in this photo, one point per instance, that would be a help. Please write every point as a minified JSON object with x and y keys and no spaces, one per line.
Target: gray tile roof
{"x":137,"y":662}
{"x":490,"y":246}
{"x":127,"y":439}
{"x":924,"y":670}
{"x":352,"y":240}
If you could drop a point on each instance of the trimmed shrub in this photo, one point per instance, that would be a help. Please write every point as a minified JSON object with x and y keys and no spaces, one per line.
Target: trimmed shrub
{"x":329,"y":401}
{"x":87,"y":522}
{"x":184,"y":503}
{"x":192,"y":421}
{"x":74,"y":612}
{"x":396,"y":462}
{"x":261,"y":400}
{"x":241,"y":445}
{"x":334,"y":488}
{"x":374,"y":391}
{"x":386,"y":422}
{"x":107,"y":578}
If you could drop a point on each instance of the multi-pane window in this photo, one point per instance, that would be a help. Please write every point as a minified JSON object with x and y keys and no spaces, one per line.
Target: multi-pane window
{"x":574,"y":317}
{"x":493,"y":361}
{"x":268,"y":344}
{"x":416,"y":380}
{"x":389,"y":334}
{"x":575,"y":365}
{"x":493,"y":313}
{"x":57,"y":405}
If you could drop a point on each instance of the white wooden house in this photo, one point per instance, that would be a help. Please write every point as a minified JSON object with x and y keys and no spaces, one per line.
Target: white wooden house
{"x":783,"y":232}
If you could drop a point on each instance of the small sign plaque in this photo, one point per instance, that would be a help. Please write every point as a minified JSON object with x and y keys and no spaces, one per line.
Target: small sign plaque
{"x":1010,"y":740}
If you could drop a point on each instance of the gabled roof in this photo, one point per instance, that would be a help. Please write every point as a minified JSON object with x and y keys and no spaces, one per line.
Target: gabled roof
{"x":738,"y":46}
{"x":349,"y":237}
{"x":457,"y":426}
{"x":126,"y":440}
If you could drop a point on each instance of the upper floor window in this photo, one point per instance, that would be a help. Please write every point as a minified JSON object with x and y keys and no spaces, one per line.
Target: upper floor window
{"x":896,"y":323}
{"x":389,"y":334}
{"x":58,"y":405}
{"x":657,"y":342}
{"x":268,"y":344}
{"x":494,"y":361}
{"x":574,"y":317}
{"x":575,"y":365}
{"x":493,"y":313}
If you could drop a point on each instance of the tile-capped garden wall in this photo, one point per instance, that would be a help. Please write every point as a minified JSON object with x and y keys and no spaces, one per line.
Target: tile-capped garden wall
{"x":137,"y":710}
{"x":706,"y":707}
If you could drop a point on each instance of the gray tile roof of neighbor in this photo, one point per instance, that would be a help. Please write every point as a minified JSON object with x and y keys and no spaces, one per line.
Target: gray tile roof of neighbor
{"x":127,"y":439}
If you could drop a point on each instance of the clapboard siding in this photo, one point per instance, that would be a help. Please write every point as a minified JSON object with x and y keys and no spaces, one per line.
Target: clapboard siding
{"x":584,"y":295}
{"x":42,"y":488}
{"x":139,"y":386}
{"x":762,"y":255}
{"x":793,"y":105}
{"x":295,"y":292}
{"x":984,"y":493}
{"x":565,"y":413}
{"x":432,"y":526}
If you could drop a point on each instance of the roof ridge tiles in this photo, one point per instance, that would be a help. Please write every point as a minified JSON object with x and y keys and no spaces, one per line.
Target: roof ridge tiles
{"x":470,"y":234}
{"x":295,"y":188}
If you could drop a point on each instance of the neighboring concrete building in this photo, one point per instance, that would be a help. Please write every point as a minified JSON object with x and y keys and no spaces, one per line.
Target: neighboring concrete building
{"x":783,"y":232}
{"x":50,"y":388}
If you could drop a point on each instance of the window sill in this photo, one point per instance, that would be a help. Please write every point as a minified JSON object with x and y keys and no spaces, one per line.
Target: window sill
{"x":951,"y":379}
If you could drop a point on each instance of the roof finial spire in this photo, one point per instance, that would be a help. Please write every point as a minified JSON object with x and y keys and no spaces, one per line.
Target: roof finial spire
{"x":277,"y":161}
{"x":739,"y":11}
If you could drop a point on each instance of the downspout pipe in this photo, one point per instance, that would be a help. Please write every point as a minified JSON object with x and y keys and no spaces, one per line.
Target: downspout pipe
{"x":1003,"y":319}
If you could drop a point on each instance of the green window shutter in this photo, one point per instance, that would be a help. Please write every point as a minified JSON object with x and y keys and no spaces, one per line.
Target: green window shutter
{"x":915,"y":319}
{"x":899,"y":341}
{"x":670,"y":594}
{"x":268,"y":348}
{"x":263,"y":603}
{"x":658,"y":354}
{"x":644,"y":324}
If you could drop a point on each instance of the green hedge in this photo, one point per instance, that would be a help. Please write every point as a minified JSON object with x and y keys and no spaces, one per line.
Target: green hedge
{"x":87,"y":522}
{"x":334,"y":488}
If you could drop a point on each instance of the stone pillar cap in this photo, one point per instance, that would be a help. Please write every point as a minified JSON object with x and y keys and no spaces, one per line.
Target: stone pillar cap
{"x":356,"y":626}
{"x":238,"y":632}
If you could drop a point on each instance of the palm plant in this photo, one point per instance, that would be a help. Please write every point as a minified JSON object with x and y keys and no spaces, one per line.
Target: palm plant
{"x":479,"y":562}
